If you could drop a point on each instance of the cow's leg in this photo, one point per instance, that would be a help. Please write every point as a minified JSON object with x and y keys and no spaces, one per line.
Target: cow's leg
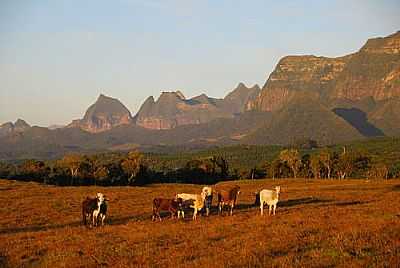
{"x":195,"y":214}
{"x":262,"y":209}
{"x":94,"y":218}
{"x":207,"y":211}
{"x":269,"y":209}
{"x":182,"y":213}
{"x":232,"y":208}
{"x":220,"y":208}
{"x":103,"y":217}
{"x":91,"y":219}
{"x":274,"y":208}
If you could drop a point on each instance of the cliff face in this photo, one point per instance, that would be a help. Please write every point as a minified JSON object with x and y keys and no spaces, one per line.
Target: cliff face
{"x":103,"y":115}
{"x":294,"y":74}
{"x":373,"y":71}
{"x":10,"y":128}
{"x":236,"y":102}
{"x":172,"y":109}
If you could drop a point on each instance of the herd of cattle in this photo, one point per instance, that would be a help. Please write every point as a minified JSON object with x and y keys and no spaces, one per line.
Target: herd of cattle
{"x":95,"y":209}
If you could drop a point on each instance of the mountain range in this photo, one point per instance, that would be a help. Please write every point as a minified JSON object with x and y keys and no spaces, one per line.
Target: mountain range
{"x":328,"y":100}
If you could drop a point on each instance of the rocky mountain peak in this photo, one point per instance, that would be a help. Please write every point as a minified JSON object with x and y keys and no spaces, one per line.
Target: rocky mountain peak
{"x":103,"y":115}
{"x":9,"y":127}
{"x":241,"y":97}
{"x":21,"y":124}
{"x":389,"y":44}
{"x":373,"y":71}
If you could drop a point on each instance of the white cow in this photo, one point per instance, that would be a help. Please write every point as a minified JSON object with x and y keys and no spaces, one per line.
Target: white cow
{"x":100,"y":200}
{"x":269,"y":197}
{"x":196,"y":200}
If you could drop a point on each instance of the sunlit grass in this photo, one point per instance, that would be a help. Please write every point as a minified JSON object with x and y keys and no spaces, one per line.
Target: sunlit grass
{"x":318,"y":223}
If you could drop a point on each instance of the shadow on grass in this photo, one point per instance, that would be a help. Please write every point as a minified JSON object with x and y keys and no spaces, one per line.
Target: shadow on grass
{"x":37,"y":228}
{"x":6,"y":188}
{"x":302,"y":201}
{"x":351,"y":203}
{"x":396,"y":188}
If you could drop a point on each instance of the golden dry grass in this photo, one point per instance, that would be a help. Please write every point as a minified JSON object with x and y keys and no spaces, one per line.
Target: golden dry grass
{"x":352,"y":223}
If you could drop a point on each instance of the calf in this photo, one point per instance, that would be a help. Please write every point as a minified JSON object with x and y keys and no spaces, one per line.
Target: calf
{"x":269,"y":197}
{"x":171,"y":205}
{"x":228,"y":197}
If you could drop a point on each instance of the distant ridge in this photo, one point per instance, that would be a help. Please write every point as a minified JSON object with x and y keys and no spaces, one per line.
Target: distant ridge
{"x":328,"y":100}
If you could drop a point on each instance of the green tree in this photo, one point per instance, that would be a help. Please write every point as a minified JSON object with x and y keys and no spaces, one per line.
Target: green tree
{"x":292,"y":158}
{"x":72,"y":162}
{"x":326,"y":159}
{"x":131,"y":165}
{"x":275,"y":170}
{"x":315,"y":165}
{"x":34,"y":169}
{"x":378,"y":171}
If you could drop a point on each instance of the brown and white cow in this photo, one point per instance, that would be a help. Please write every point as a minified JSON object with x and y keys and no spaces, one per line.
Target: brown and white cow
{"x":228,"y":197}
{"x":91,"y":208}
{"x":174,"y":206}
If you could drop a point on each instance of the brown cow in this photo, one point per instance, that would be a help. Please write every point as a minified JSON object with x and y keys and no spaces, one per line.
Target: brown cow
{"x":228,"y":197}
{"x":174,"y":206}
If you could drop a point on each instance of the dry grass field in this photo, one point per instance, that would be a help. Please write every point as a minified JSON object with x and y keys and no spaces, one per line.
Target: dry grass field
{"x":351,"y":223}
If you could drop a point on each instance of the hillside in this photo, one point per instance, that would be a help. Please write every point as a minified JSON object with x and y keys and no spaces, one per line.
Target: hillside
{"x":323,"y":223}
{"x":303,"y":117}
{"x":43,"y":143}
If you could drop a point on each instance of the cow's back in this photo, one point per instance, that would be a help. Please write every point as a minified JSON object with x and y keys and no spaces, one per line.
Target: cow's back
{"x":268,"y":196}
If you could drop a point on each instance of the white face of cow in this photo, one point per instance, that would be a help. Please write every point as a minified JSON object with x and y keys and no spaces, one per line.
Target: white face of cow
{"x":100,"y":197}
{"x":278,"y":189}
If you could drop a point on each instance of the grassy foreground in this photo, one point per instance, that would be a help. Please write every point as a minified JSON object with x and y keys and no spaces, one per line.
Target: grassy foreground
{"x":352,"y":223}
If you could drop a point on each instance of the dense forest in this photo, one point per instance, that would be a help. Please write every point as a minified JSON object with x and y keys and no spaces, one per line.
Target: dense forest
{"x":373,"y":158}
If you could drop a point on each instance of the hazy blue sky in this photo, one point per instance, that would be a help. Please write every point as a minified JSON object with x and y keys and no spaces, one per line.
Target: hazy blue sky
{"x":56,"y":57}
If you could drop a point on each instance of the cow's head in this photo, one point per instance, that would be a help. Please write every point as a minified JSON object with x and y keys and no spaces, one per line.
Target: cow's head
{"x":100,"y":197}
{"x":237,"y":190}
{"x":277,"y":189}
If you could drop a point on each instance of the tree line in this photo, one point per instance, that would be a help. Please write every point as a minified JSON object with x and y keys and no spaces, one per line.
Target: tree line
{"x":136,"y":168}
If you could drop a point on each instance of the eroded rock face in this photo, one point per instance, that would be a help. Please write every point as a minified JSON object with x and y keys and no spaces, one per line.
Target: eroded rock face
{"x":172,"y":109}
{"x":10,"y":128}
{"x":103,"y":115}
{"x":373,"y":71}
